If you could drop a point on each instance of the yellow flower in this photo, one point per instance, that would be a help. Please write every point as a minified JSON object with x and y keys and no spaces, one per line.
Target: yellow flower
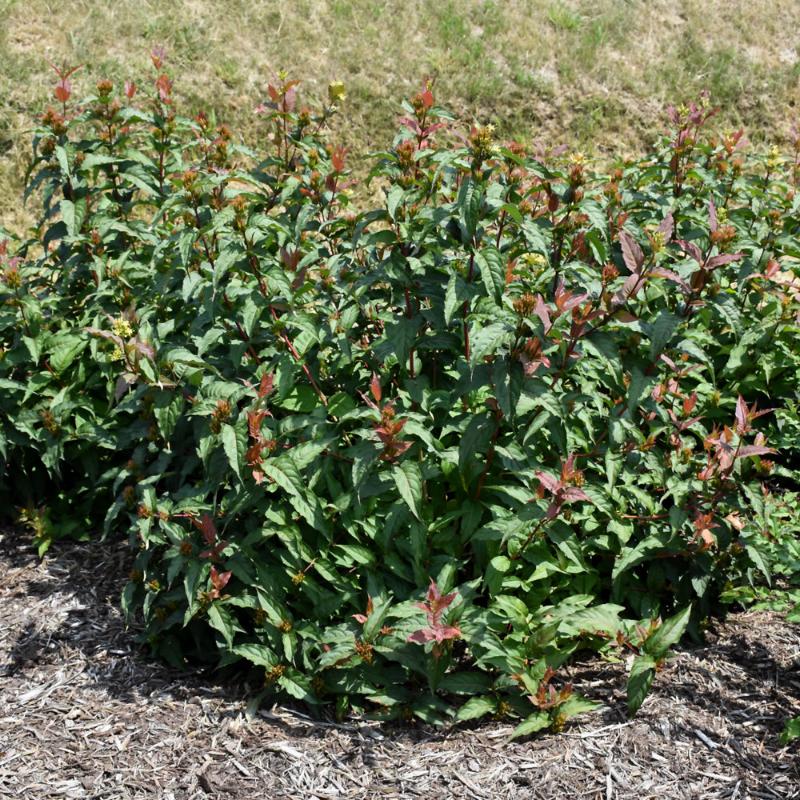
{"x":336,"y":92}
{"x":122,"y":328}
{"x":657,"y":240}
{"x":534,"y":260}
{"x":774,"y":159}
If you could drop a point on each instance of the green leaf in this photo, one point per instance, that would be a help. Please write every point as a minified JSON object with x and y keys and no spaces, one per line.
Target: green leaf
{"x":67,"y":348}
{"x":73,"y":215}
{"x":613,"y":465}
{"x":468,"y":203}
{"x":501,"y":377}
{"x":643,"y":671}
{"x":408,"y":479}
{"x":662,"y":331}
{"x":476,"y":707}
{"x":576,"y":704}
{"x":791,"y":731}
{"x":495,"y":572}
{"x":760,"y":561}
{"x":376,"y":619}
{"x":604,"y":618}
{"x":474,"y":441}
{"x":301,"y":398}
{"x":466,"y":683}
{"x":490,"y":264}
{"x":231,"y":448}
{"x":221,"y":620}
{"x":393,"y":200}
{"x":456,"y":294}
{"x":258,"y":654}
{"x":536,"y":722}
{"x":296,"y":685}
{"x":632,"y":556}
{"x":667,"y":634}
{"x":485,"y":339}
{"x":287,"y":476}
{"x":510,"y":608}
{"x":167,"y":410}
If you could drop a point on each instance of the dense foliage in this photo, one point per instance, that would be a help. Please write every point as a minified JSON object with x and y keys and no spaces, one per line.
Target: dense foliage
{"x":408,"y":460}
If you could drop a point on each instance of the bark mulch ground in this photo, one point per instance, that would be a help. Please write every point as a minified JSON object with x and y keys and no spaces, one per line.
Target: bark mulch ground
{"x":84,"y":714}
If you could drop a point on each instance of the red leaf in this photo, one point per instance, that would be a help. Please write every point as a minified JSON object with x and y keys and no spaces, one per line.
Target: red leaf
{"x":669,"y":362}
{"x":553,"y":510}
{"x":63,"y":91}
{"x":338,"y":158}
{"x":375,"y":387}
{"x":754,"y":450}
{"x":712,"y":216}
{"x":207,"y":528}
{"x":164,"y":86}
{"x":219,"y":580}
{"x":725,"y":258}
{"x":629,"y":289}
{"x":690,"y":248}
{"x":572,"y":494}
{"x":661,"y":272}
{"x":549,"y":482}
{"x":157,"y":56}
{"x":541,"y":311}
{"x":446,"y":632}
{"x":266,"y":385}
{"x":741,"y":415}
{"x":667,"y":226}
{"x":632,"y":254}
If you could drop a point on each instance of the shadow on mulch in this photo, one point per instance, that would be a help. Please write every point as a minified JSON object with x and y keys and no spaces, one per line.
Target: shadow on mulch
{"x":94,"y":573}
{"x":90,"y":576}
{"x":709,"y":728}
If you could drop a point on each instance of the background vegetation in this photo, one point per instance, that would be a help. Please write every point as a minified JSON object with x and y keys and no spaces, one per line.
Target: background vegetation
{"x":595,"y":75}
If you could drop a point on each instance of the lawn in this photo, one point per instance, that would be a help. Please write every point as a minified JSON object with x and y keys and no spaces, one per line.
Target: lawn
{"x":594,"y":75}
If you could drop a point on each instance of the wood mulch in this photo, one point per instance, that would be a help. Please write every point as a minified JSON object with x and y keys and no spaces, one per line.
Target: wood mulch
{"x":85,"y":714}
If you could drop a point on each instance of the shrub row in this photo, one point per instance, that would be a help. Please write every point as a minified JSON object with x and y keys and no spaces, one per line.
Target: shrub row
{"x":407,"y":460}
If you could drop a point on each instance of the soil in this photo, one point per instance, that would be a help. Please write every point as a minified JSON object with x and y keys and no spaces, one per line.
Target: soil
{"x":85,"y":714}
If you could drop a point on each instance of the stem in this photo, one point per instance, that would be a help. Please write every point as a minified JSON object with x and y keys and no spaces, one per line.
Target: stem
{"x":240,"y":330}
{"x":464,"y":309}
{"x":489,"y":460}
{"x":500,"y":228}
{"x":409,"y":314}
{"x":202,"y":235}
{"x":293,"y":350}
{"x":22,"y":312}
{"x":527,"y":541}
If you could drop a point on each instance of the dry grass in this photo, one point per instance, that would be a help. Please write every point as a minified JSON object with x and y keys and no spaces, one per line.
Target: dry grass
{"x":592,"y":73}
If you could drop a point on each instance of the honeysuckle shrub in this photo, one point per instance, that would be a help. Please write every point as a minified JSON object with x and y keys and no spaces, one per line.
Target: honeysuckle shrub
{"x":407,"y":460}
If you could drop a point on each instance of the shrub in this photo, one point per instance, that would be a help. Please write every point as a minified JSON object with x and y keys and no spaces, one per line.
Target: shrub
{"x":408,"y":460}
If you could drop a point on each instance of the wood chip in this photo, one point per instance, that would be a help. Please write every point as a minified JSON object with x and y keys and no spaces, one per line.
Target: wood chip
{"x":86,"y":715}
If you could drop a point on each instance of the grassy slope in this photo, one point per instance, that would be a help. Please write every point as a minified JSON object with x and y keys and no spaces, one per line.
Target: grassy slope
{"x":594,"y":74}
